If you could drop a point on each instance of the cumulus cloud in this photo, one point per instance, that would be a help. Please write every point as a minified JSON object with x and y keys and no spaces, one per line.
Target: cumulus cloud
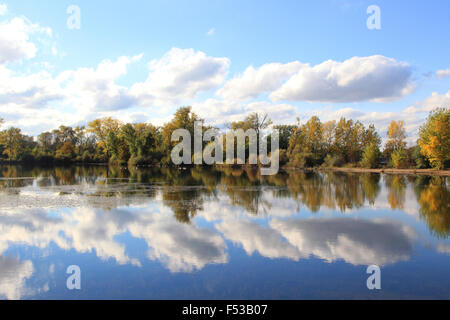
{"x":95,"y":89}
{"x":358,"y":242}
{"x":436,"y":100}
{"x":32,"y":91}
{"x":415,"y":114}
{"x":15,"y":42}
{"x":254,"y":82}
{"x":13,"y":274}
{"x":181,"y":247}
{"x":374,"y":78}
{"x":256,"y":238}
{"x":180,"y":75}
{"x":40,"y":101}
{"x":443,"y":73}
{"x":443,"y":248}
{"x":222,"y":112}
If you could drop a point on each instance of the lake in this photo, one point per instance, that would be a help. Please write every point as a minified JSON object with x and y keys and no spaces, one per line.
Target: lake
{"x":204,"y":233}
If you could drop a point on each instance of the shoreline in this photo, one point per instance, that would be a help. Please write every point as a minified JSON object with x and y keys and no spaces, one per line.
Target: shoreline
{"x":425,"y":172}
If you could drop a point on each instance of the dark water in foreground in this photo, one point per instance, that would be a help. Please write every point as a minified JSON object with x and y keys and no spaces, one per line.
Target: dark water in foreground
{"x":221,"y":234}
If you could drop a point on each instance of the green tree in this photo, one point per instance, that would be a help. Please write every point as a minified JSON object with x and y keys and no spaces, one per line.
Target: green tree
{"x":100,"y":128}
{"x":306,"y":146}
{"x":184,"y":118}
{"x":66,"y":152}
{"x":399,"y":159}
{"x":371,"y":156}
{"x":434,"y":140}
{"x":348,"y":140}
{"x":142,"y":140}
{"x":285,"y":133}
{"x":13,"y":142}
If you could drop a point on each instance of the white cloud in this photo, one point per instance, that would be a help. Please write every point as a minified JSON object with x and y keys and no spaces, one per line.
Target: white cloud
{"x":415,"y":115}
{"x":180,"y":75}
{"x":374,"y":78}
{"x":222,"y":112}
{"x":13,"y":274}
{"x":436,"y":100}
{"x":95,"y":90}
{"x":443,"y":73}
{"x":15,"y":42}
{"x":443,"y":248}
{"x":256,"y":238}
{"x":358,"y":242}
{"x":211,"y":32}
{"x":40,"y":101}
{"x":180,"y":247}
{"x":32,"y":91}
{"x":254,"y":82}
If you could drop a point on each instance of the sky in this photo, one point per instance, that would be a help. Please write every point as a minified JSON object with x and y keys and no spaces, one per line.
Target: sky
{"x":70,"y":62}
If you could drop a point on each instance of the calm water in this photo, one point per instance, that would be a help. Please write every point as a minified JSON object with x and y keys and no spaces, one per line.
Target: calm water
{"x":221,"y":234}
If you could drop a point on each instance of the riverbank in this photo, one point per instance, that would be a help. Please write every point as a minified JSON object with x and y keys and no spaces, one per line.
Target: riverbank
{"x":427,"y":172}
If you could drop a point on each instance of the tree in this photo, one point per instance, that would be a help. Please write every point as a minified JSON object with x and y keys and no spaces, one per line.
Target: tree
{"x":328,"y":135}
{"x":434,"y":140}
{"x":13,"y":142}
{"x":396,"y":135}
{"x":371,"y":156}
{"x":184,"y":118}
{"x":117,"y":148}
{"x":255,"y":121}
{"x":399,"y":158}
{"x":348,"y":143}
{"x":306,"y":146}
{"x":64,"y":134}
{"x":45,"y":142}
{"x":371,"y":137}
{"x":285,"y":132}
{"x":420,"y":161}
{"x":101,"y":128}
{"x":66,"y":152}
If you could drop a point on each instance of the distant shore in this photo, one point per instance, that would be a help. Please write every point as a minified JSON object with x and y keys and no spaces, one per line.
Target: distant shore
{"x":428,"y":172}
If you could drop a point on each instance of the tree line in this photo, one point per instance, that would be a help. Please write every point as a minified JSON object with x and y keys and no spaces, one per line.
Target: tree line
{"x":345,"y":142}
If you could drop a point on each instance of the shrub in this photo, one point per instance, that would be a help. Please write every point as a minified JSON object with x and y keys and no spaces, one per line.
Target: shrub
{"x":332,"y":161}
{"x":399,"y":159}
{"x":371,"y":156}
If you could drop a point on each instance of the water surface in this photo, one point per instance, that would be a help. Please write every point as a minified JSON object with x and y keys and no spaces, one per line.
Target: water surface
{"x":206,"y":233}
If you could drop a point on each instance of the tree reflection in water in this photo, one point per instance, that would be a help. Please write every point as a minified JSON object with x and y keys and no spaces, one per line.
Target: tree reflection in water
{"x":185,"y":190}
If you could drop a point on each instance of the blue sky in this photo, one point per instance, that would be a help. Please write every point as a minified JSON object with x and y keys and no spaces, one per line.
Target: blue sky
{"x":140,"y":60}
